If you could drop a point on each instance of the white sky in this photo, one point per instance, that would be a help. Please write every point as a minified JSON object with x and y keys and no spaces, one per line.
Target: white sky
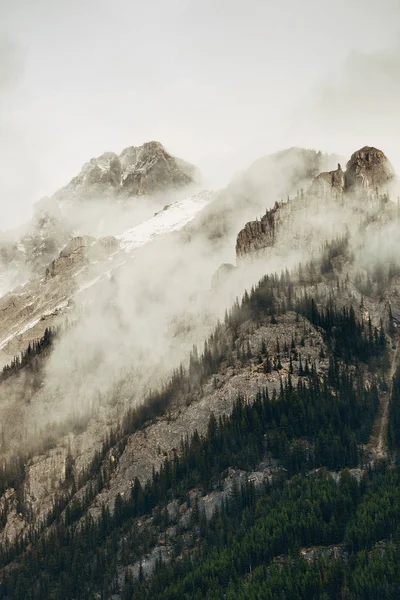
{"x":218,"y":82}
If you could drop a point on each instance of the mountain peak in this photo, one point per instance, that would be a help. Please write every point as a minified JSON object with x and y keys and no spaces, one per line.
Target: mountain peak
{"x":368,"y":169}
{"x":138,"y":170}
{"x":367,"y":174}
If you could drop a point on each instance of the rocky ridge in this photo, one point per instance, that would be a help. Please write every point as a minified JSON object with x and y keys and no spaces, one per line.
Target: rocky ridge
{"x":368,"y":175}
{"x":137,"y":171}
{"x":147,"y":448}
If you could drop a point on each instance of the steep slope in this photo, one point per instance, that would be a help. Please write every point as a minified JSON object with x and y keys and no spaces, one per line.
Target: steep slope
{"x":267,"y":180}
{"x":137,"y":171}
{"x":348,"y":197}
{"x":82,"y":264}
{"x":293,"y":375}
{"x":105,"y":186}
{"x":260,"y":344}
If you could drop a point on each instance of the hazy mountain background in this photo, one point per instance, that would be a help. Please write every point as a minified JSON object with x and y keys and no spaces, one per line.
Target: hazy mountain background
{"x":199,"y":300}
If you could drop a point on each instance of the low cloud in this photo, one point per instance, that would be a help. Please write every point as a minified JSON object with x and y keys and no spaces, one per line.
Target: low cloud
{"x":356,"y":105}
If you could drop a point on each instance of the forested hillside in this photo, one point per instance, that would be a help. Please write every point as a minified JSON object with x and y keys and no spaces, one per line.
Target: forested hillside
{"x":281,"y":496}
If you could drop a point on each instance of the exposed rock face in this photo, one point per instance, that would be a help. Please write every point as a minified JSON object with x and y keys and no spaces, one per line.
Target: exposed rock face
{"x":328,"y":183}
{"x":27,"y":251}
{"x":367,"y":170}
{"x":80,"y":251}
{"x":15,"y":522}
{"x":258,"y":234}
{"x":249,"y":193}
{"x":136,"y":171}
{"x":75,"y":252}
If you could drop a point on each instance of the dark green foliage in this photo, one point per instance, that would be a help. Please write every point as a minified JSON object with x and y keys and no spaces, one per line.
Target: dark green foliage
{"x":334,"y":249}
{"x":394,"y":414}
{"x":253,"y":550}
{"x":34,"y":349}
{"x":320,"y":421}
{"x":304,"y":426}
{"x":348,"y":338}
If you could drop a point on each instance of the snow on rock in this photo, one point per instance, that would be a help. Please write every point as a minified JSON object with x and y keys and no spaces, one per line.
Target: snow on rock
{"x":174,"y":217}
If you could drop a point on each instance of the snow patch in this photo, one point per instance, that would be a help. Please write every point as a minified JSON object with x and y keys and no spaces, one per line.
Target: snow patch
{"x":175,"y":217}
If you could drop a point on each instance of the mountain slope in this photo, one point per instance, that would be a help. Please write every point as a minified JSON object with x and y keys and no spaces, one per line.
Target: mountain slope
{"x":294,"y":376}
{"x":141,"y":170}
{"x":105,"y":186}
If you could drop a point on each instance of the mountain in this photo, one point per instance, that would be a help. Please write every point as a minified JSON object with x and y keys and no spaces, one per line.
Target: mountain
{"x":267,"y":180}
{"x":175,"y":426}
{"x":137,"y":171}
{"x":368,"y":175}
{"x":146,"y":171}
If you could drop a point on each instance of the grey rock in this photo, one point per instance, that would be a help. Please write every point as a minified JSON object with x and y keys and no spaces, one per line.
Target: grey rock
{"x":368,"y":170}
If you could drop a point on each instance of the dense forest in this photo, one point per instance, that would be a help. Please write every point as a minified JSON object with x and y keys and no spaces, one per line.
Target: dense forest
{"x":324,"y":524}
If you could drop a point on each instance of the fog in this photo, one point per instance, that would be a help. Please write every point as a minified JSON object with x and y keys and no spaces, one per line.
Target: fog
{"x":219,"y":86}
{"x":142,"y":320}
{"x":356,"y":104}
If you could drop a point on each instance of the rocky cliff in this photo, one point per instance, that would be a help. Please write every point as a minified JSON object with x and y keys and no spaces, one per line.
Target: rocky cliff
{"x":137,"y":171}
{"x":332,"y":197}
{"x":268,"y":179}
{"x":368,"y":170}
{"x":328,"y":183}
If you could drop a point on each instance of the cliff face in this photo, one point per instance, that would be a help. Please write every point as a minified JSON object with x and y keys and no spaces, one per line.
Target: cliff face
{"x":268,"y":179}
{"x":328,"y":183}
{"x":137,"y":171}
{"x":258,"y":234}
{"x":368,"y":172}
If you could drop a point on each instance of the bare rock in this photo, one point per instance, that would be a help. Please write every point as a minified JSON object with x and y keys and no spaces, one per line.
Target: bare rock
{"x":368,"y":170}
{"x":329,"y":183}
{"x":258,"y":234}
{"x":136,"y":171}
{"x":367,"y":173}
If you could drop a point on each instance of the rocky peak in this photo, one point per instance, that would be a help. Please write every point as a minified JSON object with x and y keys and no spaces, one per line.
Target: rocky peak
{"x":138,"y":170}
{"x":367,"y":170}
{"x":330,"y":182}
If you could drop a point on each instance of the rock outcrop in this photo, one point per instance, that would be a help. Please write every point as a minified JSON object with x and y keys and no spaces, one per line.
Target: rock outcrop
{"x":81,"y":250}
{"x":258,"y":234}
{"x":137,"y":171}
{"x":368,"y":170}
{"x":328,"y":183}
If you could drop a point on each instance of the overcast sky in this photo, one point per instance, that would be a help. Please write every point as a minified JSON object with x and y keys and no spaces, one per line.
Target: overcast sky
{"x":218,"y":82}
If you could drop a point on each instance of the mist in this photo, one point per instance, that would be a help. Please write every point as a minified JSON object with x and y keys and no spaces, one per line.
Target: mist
{"x":219,"y":101}
{"x":221,"y":87}
{"x":139,"y":321}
